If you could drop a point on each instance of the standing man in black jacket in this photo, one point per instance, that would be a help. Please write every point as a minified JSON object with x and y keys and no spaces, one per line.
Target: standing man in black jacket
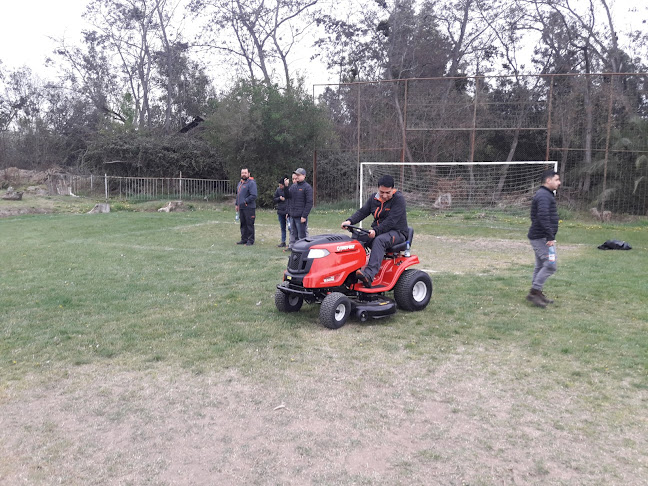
{"x":301,"y":203}
{"x":246,"y":195}
{"x":280,"y":199}
{"x":389,"y":226}
{"x":542,"y":235}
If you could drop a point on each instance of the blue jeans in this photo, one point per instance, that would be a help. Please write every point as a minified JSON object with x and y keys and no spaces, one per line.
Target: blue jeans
{"x":282,"y":225}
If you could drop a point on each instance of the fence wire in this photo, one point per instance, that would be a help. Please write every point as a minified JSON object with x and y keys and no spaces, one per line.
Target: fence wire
{"x":595,"y":126}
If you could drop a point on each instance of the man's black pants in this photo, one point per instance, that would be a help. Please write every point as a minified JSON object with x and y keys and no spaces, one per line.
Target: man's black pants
{"x":247,"y":217}
{"x":379,"y":245}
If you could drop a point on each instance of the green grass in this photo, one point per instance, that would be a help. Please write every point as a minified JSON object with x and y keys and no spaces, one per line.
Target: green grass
{"x":147,"y":287}
{"x":141,"y":322}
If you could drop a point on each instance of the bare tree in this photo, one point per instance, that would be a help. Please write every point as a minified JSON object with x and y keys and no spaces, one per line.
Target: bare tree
{"x":256,"y":32}
{"x":127,"y":28}
{"x":583,"y":44}
{"x":90,"y":73}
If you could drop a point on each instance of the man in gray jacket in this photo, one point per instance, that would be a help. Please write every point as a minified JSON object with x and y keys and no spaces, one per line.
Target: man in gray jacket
{"x":246,"y":195}
{"x":542,"y":235}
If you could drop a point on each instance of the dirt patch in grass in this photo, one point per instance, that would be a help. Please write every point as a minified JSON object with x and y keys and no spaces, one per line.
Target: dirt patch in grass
{"x":16,"y":211}
{"x":476,"y":255}
{"x":463,"y":419}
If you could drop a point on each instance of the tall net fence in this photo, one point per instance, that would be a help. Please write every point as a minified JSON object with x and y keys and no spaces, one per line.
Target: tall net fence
{"x":139,"y":188}
{"x":595,"y":126}
{"x":464,"y":185}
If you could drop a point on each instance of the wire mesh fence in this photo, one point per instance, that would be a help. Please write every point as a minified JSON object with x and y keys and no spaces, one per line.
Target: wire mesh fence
{"x":594,"y":125}
{"x":139,"y":188}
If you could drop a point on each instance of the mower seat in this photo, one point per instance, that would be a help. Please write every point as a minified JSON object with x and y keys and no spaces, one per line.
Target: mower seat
{"x":402,"y":246}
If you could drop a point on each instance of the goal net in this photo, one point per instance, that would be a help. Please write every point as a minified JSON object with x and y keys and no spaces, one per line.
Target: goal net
{"x":458,"y":185}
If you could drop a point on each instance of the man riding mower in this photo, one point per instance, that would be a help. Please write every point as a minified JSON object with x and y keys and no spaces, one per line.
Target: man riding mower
{"x":333,"y":270}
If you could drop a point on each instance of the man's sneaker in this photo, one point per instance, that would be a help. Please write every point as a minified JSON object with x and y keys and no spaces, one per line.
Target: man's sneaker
{"x":281,"y":245}
{"x":241,"y":242}
{"x":249,"y":244}
{"x":545,"y":299}
{"x":535,"y":297}
{"x":366,"y":280}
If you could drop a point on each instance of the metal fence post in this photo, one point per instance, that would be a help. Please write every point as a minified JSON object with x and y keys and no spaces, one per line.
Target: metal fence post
{"x":607,"y":142}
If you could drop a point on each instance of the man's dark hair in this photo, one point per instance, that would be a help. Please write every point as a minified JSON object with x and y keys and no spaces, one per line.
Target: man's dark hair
{"x":547,"y":174}
{"x":386,"y":181}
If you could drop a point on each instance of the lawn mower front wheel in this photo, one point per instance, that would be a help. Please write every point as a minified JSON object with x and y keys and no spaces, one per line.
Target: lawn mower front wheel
{"x":335,"y":310}
{"x":287,"y":302}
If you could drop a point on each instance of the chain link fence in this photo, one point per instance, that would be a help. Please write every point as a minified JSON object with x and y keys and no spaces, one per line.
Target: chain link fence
{"x":595,"y":126}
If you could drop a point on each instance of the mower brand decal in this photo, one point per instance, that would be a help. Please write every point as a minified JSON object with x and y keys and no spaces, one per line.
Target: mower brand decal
{"x":329,"y":279}
{"x":345,"y":247}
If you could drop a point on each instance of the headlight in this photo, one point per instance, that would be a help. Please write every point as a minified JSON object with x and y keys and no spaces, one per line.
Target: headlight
{"x":318,"y":253}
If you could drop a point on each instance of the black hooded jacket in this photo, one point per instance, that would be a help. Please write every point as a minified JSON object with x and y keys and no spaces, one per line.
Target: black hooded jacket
{"x":282,"y":206}
{"x":544,"y":215}
{"x":390,"y":215}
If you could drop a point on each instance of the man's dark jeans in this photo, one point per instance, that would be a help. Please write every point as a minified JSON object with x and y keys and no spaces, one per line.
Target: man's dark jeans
{"x":247,"y":217}
{"x":379,"y":245}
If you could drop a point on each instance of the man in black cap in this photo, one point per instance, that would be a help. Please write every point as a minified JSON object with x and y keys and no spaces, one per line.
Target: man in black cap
{"x":389,"y":226}
{"x":301,"y":203}
{"x":282,"y":207}
{"x":542,"y":235}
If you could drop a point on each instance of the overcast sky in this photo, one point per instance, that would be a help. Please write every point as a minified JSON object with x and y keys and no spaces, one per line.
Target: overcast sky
{"x":27,"y":25}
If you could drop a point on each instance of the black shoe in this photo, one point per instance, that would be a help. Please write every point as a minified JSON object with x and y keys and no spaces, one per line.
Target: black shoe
{"x":240,"y":242}
{"x":281,"y":245}
{"x":546,"y":299}
{"x":249,"y":244}
{"x":366,"y":281}
{"x":535,"y":298}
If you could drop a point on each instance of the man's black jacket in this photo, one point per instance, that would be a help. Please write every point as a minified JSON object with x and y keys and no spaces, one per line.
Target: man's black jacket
{"x":544,"y":215}
{"x":301,"y":200}
{"x":282,"y":206}
{"x":390,"y":215}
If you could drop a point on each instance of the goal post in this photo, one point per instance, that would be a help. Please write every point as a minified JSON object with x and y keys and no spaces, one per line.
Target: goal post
{"x":458,"y":185}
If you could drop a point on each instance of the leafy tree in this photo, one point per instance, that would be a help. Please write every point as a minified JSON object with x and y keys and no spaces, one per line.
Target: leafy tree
{"x":128,"y":152}
{"x":268,"y":131}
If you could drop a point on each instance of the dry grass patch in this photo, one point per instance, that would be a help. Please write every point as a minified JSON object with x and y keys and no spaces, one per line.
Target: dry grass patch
{"x":472,"y":418}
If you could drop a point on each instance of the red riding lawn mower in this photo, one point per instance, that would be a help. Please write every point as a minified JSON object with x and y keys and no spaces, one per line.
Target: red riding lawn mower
{"x":322,"y":270}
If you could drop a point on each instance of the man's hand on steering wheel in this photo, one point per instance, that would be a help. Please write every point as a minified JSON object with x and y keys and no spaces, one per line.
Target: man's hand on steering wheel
{"x":357,"y":229}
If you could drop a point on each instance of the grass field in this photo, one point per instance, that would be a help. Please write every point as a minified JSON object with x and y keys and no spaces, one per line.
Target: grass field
{"x":145,"y":348}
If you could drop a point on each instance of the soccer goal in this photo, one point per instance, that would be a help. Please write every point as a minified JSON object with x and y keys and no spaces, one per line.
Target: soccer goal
{"x":458,"y":185}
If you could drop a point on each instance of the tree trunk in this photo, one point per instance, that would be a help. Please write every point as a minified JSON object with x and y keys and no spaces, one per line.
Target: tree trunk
{"x":169,"y":68}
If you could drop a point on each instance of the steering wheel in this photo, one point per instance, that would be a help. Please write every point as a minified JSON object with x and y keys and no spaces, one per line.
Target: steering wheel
{"x":357,"y":230}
